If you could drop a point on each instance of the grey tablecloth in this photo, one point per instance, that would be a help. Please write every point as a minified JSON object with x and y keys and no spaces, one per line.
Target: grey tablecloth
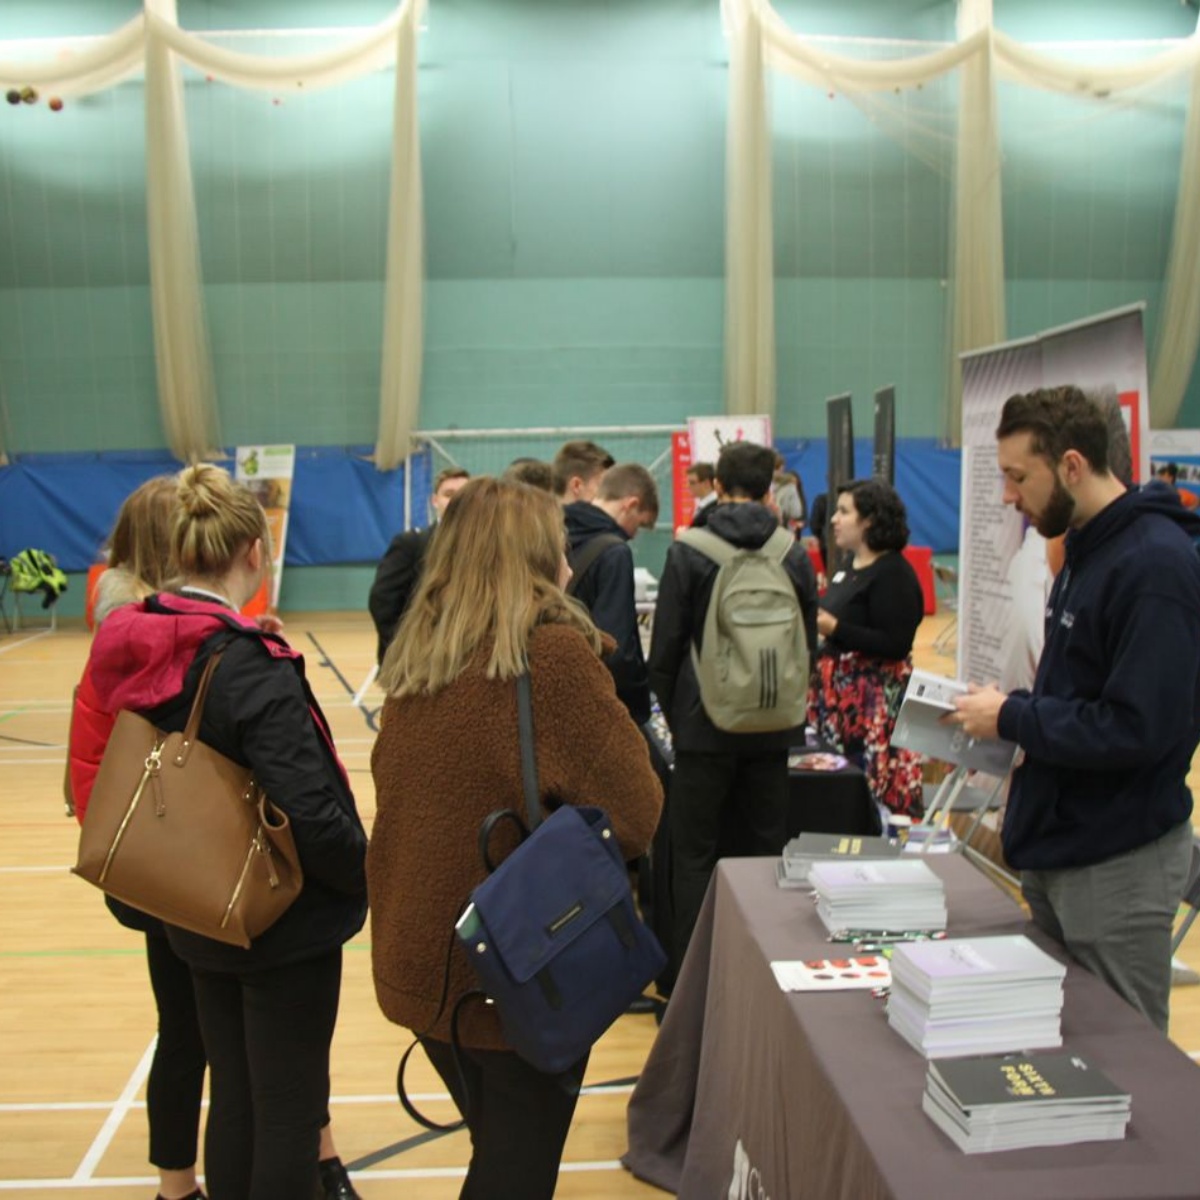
{"x":814,"y":1096}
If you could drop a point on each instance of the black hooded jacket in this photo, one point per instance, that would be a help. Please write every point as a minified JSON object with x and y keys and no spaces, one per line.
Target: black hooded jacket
{"x":606,"y":587}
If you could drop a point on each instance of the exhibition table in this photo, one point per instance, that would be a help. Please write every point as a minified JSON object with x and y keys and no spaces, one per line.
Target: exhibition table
{"x":753,"y":1092}
{"x":830,"y":801}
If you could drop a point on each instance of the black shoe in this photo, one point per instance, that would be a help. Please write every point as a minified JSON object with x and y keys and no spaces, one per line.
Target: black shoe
{"x":335,"y":1181}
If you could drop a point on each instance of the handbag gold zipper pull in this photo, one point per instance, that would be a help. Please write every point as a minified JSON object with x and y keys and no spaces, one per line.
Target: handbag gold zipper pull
{"x":154,"y":774}
{"x":264,"y":848}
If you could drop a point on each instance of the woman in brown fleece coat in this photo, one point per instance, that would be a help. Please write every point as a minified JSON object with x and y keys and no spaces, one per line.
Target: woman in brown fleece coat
{"x":448,"y":754}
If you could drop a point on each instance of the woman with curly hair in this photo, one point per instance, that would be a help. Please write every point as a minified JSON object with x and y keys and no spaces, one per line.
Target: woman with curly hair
{"x":868,"y":618}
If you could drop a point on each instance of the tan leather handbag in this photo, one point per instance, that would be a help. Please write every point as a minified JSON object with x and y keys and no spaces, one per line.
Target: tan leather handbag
{"x":183,"y":833}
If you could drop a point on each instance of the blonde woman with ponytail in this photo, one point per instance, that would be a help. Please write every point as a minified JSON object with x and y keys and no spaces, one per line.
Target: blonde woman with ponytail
{"x":489,"y":606}
{"x":267,"y":1013}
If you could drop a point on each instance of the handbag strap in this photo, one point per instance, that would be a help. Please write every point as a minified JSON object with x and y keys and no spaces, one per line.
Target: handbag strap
{"x":529,"y":776}
{"x":192,"y":728}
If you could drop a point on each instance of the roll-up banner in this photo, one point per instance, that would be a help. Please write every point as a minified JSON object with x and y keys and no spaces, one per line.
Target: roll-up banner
{"x":883,"y":463}
{"x":267,"y":471}
{"x":839,"y":417}
{"x":1004,"y":574}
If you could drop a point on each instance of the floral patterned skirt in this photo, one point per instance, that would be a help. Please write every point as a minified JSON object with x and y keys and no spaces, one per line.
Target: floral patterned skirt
{"x":853,"y":705}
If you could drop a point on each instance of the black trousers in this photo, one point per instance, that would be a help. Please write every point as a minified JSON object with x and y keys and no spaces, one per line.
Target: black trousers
{"x":517,"y":1116}
{"x":721,"y":804}
{"x":267,"y":1034}
{"x":176,"y":1080}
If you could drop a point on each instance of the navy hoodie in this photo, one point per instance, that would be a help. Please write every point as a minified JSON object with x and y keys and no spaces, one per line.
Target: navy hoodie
{"x":1114,"y":716}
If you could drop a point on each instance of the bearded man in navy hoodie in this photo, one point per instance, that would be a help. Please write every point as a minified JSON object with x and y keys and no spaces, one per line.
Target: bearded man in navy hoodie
{"x":1098,"y":817}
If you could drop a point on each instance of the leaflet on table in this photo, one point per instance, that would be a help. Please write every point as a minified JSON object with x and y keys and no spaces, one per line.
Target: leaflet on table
{"x":833,"y":974}
{"x":927,"y":699}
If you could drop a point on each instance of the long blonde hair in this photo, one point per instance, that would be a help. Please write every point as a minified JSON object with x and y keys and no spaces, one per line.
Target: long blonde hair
{"x":217,"y":517}
{"x":490,"y":577}
{"x":140,"y":542}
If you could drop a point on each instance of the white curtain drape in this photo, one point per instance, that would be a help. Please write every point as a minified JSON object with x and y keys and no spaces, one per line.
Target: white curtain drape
{"x":749,"y":233}
{"x":983,"y":55}
{"x":977,"y":235}
{"x":183,"y":359}
{"x":759,"y":38}
{"x":403,"y":324}
{"x":153,"y":41}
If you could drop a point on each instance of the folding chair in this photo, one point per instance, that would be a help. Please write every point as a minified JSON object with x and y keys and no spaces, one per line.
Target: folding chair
{"x":8,"y":598}
{"x":948,"y":577}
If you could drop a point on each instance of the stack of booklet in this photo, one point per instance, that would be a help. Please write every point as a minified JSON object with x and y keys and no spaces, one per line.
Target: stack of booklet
{"x":873,"y":896}
{"x":1010,"y":1103}
{"x":808,"y":848}
{"x":986,"y":995}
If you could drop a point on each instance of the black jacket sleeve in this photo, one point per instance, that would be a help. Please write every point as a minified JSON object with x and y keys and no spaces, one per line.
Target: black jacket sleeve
{"x":670,"y":641}
{"x":799,"y":566}
{"x":258,"y":703}
{"x":395,"y":581}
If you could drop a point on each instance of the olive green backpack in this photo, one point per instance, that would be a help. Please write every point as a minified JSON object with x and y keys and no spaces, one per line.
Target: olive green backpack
{"x":752,"y":664}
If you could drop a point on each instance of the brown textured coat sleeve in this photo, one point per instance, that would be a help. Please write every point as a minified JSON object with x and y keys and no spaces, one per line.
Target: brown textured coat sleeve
{"x":589,"y":751}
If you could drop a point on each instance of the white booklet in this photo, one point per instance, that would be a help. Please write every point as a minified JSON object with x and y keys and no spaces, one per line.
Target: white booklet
{"x":919,"y":727}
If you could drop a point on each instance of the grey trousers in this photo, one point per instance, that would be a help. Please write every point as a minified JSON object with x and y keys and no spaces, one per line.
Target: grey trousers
{"x":1116,"y":917}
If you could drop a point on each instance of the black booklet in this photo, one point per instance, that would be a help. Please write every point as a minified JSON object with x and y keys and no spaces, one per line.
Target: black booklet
{"x":983,"y":1087}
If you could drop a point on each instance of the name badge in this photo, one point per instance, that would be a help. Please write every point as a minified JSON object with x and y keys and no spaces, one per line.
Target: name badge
{"x":839,"y":577}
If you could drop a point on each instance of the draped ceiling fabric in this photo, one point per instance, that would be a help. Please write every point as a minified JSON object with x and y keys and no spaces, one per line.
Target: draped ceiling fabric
{"x":983,"y":54}
{"x":759,"y":38}
{"x":154,"y":42}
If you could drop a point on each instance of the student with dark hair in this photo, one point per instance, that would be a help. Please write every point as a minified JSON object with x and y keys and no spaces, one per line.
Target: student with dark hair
{"x":1168,"y":473}
{"x":400,"y":567}
{"x":724,"y":784}
{"x":1098,"y":816}
{"x":598,"y":536}
{"x":577,"y":470}
{"x":532,"y":471}
{"x":868,"y":620}
{"x":701,"y":483}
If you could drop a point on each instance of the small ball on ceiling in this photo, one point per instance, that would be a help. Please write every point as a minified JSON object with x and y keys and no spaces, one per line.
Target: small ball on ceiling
{"x":833,"y":95}
{"x":208,"y":79}
{"x":56,"y":104}
{"x":13,"y":96}
{"x":29,"y":95}
{"x":276,"y":101}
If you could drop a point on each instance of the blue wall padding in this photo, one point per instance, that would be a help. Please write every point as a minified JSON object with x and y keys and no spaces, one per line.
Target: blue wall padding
{"x":927,"y":478}
{"x":345,"y":511}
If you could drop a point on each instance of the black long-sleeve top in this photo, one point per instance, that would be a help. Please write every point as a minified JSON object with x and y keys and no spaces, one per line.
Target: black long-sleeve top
{"x":878,"y":608}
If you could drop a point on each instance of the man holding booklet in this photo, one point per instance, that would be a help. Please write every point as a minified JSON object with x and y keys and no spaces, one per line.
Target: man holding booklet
{"x":1098,"y":818}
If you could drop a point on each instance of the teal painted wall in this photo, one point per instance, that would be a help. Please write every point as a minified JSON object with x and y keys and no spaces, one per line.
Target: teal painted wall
{"x":574,"y":165}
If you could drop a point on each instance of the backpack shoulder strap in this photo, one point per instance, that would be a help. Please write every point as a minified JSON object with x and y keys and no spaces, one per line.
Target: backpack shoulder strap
{"x":710,"y":545}
{"x":778,"y":544}
{"x":592,"y":549}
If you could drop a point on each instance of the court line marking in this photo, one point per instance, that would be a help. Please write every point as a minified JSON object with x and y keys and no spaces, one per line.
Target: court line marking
{"x":99,"y":1147}
{"x":33,"y":637}
{"x":595,"y":1089}
{"x":11,"y":1185}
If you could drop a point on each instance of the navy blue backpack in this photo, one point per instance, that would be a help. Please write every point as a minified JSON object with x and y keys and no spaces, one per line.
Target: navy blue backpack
{"x":552,"y":932}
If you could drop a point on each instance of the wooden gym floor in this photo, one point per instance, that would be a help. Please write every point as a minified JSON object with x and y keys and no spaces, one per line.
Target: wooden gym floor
{"x":76,"y":1014}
